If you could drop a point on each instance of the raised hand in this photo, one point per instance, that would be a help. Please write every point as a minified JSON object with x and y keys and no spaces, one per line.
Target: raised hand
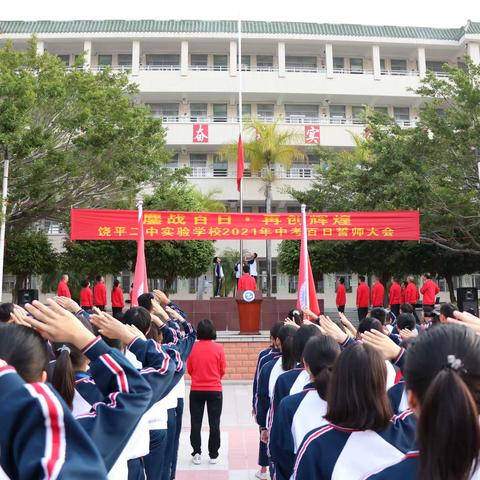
{"x":67,"y":304}
{"x":332,"y":329}
{"x":467,"y":319}
{"x":111,"y":328}
{"x":19,"y":316}
{"x":389,"y":349}
{"x":161,"y":297}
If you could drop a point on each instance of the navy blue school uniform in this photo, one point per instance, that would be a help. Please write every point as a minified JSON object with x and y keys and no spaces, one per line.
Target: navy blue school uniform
{"x":39,"y":437}
{"x":406,"y":469}
{"x":296,"y":416}
{"x":332,"y":452}
{"x":261,"y":355}
{"x":398,"y":398}
{"x":272,"y":354}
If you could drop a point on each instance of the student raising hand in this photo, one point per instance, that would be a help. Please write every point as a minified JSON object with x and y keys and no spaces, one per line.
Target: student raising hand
{"x":111,"y":328}
{"x":466,"y":319}
{"x":389,"y":349}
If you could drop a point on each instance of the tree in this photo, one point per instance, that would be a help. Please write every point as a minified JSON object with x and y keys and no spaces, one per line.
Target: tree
{"x":28,"y":253}
{"x":269,"y":147}
{"x":74,"y":138}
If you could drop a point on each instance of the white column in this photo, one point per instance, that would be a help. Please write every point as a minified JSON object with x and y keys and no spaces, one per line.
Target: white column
{"x":329,"y":59}
{"x":422,"y":62}
{"x":40,"y":47}
{"x":473,"y":51}
{"x":135,"y":57}
{"x":377,"y":70}
{"x":281,"y":59}
{"x":87,"y":50}
{"x":184,"y":58}
{"x":233,"y":58}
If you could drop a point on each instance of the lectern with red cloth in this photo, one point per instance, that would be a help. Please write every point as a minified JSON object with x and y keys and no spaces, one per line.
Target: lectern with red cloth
{"x":249,"y":304}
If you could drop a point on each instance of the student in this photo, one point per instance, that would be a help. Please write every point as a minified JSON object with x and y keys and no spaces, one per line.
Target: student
{"x":219,"y":276}
{"x":293,"y":418}
{"x":412,"y":295}
{"x":100,"y":293}
{"x":429,"y":291}
{"x":246,"y":282}
{"x":26,"y":435}
{"x":446,"y":311}
{"x":341,"y":297}
{"x":62,"y":288}
{"x":442,"y":372}
{"x":252,"y":262}
{"x":6,"y":310}
{"x":206,"y":366}
{"x":118,"y":303}
{"x":361,"y":436}
{"x":363,"y":298}
{"x":110,"y":424}
{"x":394,"y":297}
{"x":378,"y":292}
{"x":86,"y":296}
{"x":431,"y":318}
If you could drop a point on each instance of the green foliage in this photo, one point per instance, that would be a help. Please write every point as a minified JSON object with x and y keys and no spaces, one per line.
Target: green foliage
{"x":75,"y":138}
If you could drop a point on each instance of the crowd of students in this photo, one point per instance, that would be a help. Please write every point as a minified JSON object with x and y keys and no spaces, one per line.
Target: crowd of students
{"x":88,"y":395}
{"x":391,"y":399}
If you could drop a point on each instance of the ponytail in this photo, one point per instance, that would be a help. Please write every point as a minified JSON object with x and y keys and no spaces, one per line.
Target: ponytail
{"x":63,"y":378}
{"x":321,"y":381}
{"x":286,"y":335}
{"x":448,"y":429}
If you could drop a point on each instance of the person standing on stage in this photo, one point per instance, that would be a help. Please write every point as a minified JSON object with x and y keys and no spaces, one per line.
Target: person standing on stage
{"x":219,"y":275}
{"x":117,"y":299}
{"x":247,"y":282}
{"x":62,"y":288}
{"x":252,"y":261}
{"x":378,"y":292}
{"x":412,"y":295}
{"x":341,"y":298}
{"x":86,"y":297}
{"x":429,"y":291}
{"x":363,"y":298}
{"x":394,"y":297}
{"x":100,"y":293}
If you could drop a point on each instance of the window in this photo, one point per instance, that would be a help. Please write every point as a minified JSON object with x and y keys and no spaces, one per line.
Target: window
{"x":65,"y":59}
{"x":338,"y":64}
{"x":192,"y":285}
{"x":246,"y":110}
{"x":53,"y":228}
{"x":358,"y":115}
{"x":382,"y":66}
{"x":319,"y":282}
{"x":104,"y":60}
{"x":265,"y":112}
{"x":125,"y":281}
{"x":125,"y":59}
{"x":245,"y":62}
{"x":198,"y":160}
{"x":168,"y":112}
{"x":199,"y":61}
{"x":436,"y":67}
{"x":163,"y":61}
{"x":220,"y":62}
{"x":265,"y":62}
{"x":262,"y":275}
{"x":356,"y":65}
{"x":172,"y":162}
{"x":381,"y":110}
{"x":402,"y":115}
{"x":247,"y":209}
{"x":159,"y":284}
{"x":8,"y":283}
{"x":292,"y":283}
{"x":300,"y":64}
{"x":198,"y":112}
{"x":337,"y":114}
{"x":301,"y":113}
{"x":398,"y":67}
{"x":348,"y":280}
{"x":219,"y":112}
{"x":220,"y":166}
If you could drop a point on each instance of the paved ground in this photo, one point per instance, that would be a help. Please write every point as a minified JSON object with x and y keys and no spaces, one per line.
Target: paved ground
{"x":239,"y":451}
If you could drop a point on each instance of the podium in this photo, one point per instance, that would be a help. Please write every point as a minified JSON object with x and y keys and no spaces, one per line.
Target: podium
{"x":249,"y":305}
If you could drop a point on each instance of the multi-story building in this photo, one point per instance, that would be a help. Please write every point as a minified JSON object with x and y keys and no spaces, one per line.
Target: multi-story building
{"x":315,"y":79}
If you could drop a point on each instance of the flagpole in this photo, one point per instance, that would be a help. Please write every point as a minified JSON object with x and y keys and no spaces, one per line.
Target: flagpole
{"x":240,"y":120}
{"x":305,"y":254}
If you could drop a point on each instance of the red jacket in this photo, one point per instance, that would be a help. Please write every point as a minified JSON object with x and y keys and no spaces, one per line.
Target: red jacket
{"x":246,"y":282}
{"x":411,"y":294}
{"x":206,"y":365}
{"x":429,"y":291}
{"x":378,"y":291}
{"x":395,"y":294}
{"x":117,"y":297}
{"x":100,"y":294}
{"x":363,"y":295}
{"x":86,"y":297}
{"x":63,"y":290}
{"x":341,"y":299}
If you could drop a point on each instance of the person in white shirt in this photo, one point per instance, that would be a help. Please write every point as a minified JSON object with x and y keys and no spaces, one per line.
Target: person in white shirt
{"x":219,"y":276}
{"x":252,"y":261}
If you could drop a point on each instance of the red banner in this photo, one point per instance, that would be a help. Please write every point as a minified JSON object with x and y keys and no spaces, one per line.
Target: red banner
{"x":123,"y":225}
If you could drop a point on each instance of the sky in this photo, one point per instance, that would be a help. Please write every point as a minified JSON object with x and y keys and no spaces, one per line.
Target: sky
{"x":432,"y":13}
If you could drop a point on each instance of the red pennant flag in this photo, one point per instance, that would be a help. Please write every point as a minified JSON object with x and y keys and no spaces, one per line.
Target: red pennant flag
{"x":307,"y":295}
{"x":240,"y":163}
{"x":140,"y":281}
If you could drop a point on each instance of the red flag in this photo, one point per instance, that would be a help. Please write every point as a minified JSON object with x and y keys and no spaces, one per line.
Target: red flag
{"x":307,"y":295}
{"x":140,"y":281}
{"x":240,"y":163}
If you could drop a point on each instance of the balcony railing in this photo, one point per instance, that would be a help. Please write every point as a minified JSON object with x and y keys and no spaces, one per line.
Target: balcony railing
{"x":401,"y":73}
{"x":116,"y":68}
{"x":306,"y":172}
{"x":353,"y":71}
{"x":304,"y":69}
{"x":163,"y":68}
{"x":208,"y":68}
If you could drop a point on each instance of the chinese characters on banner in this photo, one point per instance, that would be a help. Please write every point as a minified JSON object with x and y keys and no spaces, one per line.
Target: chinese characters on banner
{"x":312,"y":134}
{"x":123,"y":225}
{"x":200,"y":133}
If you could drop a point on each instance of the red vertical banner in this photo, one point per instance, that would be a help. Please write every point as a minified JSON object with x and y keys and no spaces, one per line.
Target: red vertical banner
{"x":200,"y":133}
{"x":140,"y":280}
{"x":312,"y":134}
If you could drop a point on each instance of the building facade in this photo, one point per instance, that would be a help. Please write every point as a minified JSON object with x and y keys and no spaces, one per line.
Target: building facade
{"x":315,"y":79}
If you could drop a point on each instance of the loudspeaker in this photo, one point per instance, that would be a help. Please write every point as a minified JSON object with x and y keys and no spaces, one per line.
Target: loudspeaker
{"x":467,"y":299}
{"x":27,"y":296}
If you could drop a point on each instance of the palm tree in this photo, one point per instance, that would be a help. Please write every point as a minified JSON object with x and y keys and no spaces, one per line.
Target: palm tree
{"x":269,"y":147}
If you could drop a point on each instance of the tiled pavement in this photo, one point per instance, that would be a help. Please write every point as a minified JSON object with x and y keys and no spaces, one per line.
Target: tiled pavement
{"x":239,"y":450}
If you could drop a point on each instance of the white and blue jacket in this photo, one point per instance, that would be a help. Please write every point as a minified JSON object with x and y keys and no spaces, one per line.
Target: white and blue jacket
{"x":398,"y":398}
{"x":263,"y":357}
{"x":39,"y":437}
{"x":337,"y":453}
